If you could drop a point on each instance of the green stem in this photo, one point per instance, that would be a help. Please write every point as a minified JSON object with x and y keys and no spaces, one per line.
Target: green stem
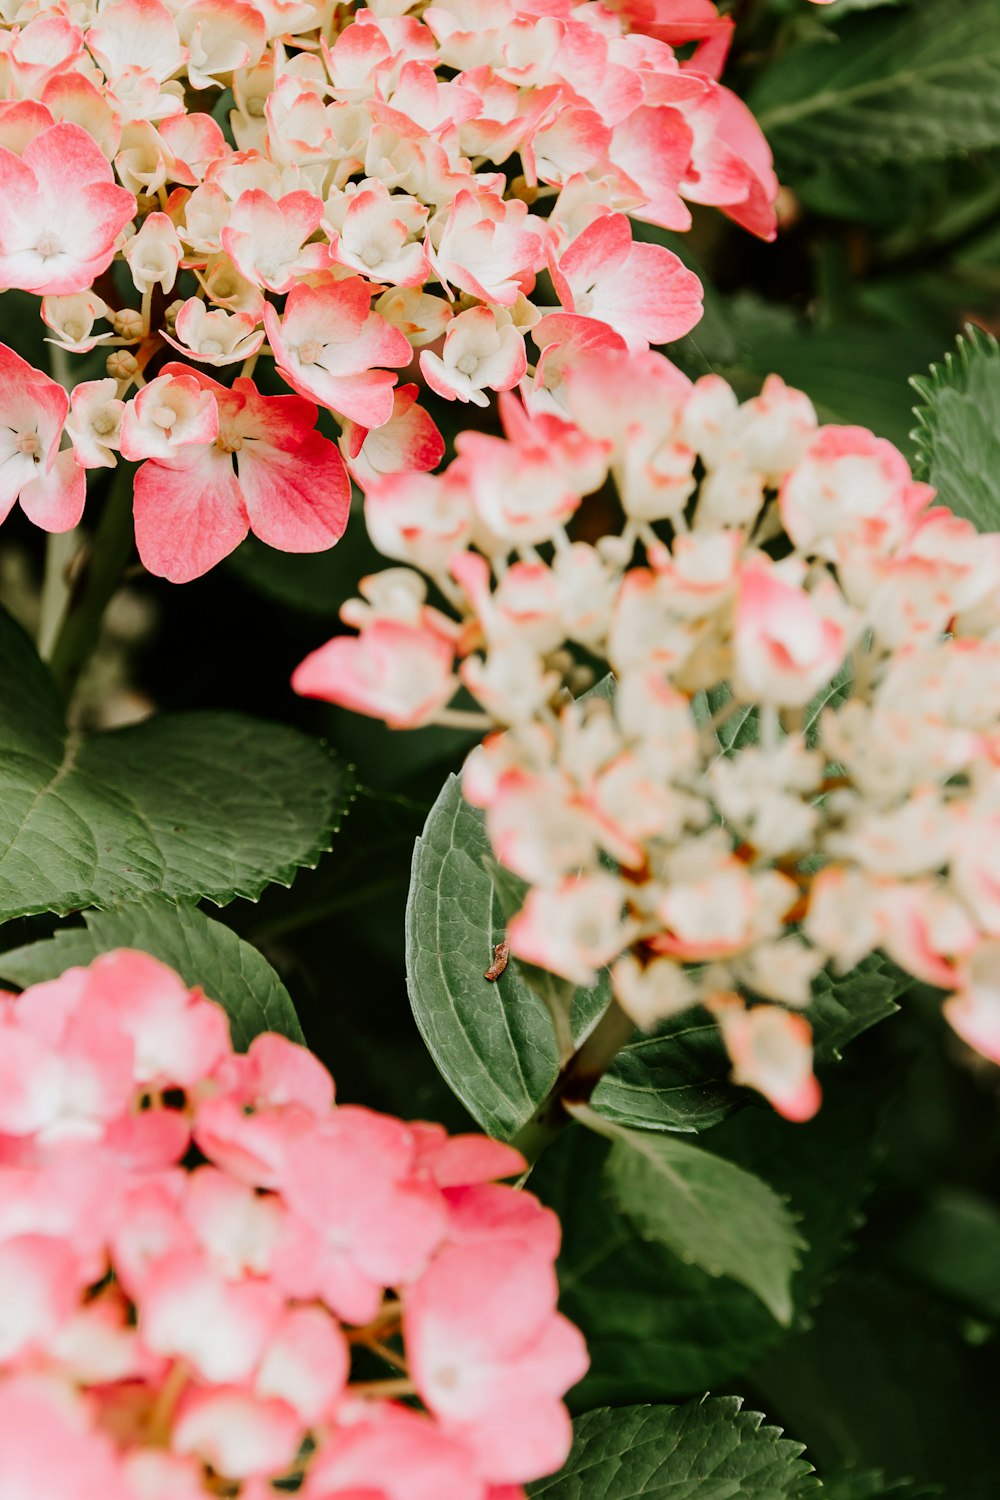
{"x":110,"y":550}
{"x":576,"y":1081}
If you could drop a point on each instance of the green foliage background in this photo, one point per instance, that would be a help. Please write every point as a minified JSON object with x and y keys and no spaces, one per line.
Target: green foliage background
{"x":842,"y":1276}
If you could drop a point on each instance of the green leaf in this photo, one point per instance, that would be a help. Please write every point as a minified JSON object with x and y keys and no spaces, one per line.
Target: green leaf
{"x":314,"y":583}
{"x":958,"y":429}
{"x":707,"y":1450}
{"x":882,"y":1379}
{"x":953,"y":1246}
{"x":658,"y":1329}
{"x":192,"y":805}
{"x":204,"y":952}
{"x":493,"y":1041}
{"x":708,"y":1211}
{"x":871,"y":1484}
{"x":856,"y":373}
{"x":919,"y":84}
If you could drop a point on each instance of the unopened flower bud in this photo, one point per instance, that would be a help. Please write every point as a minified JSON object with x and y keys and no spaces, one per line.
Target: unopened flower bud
{"x":170,"y":314}
{"x":122,"y":365}
{"x":127,"y":323}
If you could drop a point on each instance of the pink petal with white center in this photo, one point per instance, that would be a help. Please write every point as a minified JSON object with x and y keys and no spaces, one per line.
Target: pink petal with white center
{"x":327,"y":343}
{"x":189,"y":513}
{"x":643,"y":292}
{"x":392,"y":671}
{"x":306,"y":1364}
{"x":55,"y":500}
{"x":196,"y":141}
{"x":479,"y":354}
{"x":94,"y":425}
{"x":173,"y":412}
{"x":574,"y":141}
{"x":394,"y":1454}
{"x":491,"y":1357}
{"x":785,"y":647}
{"x":140,"y":34}
{"x":51,"y":1448}
{"x":237,"y":1433}
{"x":652,"y":147}
{"x":771,"y":1051}
{"x":488,"y":247}
{"x":572,"y":930}
{"x":20,"y":121}
{"x":222,"y":36}
{"x":75,"y":99}
{"x":215,"y":337}
{"x":190,"y":1312}
{"x":64,"y":212}
{"x":39,"y":1286}
{"x":265,"y":238}
{"x":409,"y":443}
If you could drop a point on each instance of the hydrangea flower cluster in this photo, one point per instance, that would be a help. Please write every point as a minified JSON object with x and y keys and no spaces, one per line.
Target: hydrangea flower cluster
{"x":386,"y":190}
{"x":799,"y":766}
{"x":213,"y":1279}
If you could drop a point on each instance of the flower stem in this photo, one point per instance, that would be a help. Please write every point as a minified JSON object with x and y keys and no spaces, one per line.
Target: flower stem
{"x":100,"y":576}
{"x":575,"y":1082}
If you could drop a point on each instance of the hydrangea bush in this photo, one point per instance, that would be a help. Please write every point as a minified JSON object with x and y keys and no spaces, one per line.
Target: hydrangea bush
{"x":530,"y":377}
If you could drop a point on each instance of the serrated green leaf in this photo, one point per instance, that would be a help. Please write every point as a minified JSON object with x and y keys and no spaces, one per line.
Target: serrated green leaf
{"x":708,"y":1211}
{"x":710,"y":1449}
{"x":958,"y":429}
{"x":658,"y":1329}
{"x":909,"y":86}
{"x":204,"y":952}
{"x":192,"y":805}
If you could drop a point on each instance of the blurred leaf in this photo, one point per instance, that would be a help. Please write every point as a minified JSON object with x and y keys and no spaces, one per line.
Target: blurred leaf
{"x":884,"y":1379}
{"x":895,"y":86}
{"x":709,"y":1212}
{"x":953,"y":1246}
{"x":871,"y":1484}
{"x":707,"y":1450}
{"x":853,"y":374}
{"x":314,"y":583}
{"x":195,"y":805}
{"x":204,"y":952}
{"x":958,"y":429}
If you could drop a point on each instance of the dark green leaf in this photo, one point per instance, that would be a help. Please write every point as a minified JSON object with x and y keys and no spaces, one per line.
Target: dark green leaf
{"x":192,"y":805}
{"x":953,"y":1246}
{"x":884,"y":1379}
{"x":958,"y":429}
{"x":708,"y":1211}
{"x":658,"y":1329}
{"x":204,"y":952}
{"x":871,"y":1484}
{"x":707,"y":1450}
{"x":894,"y":86}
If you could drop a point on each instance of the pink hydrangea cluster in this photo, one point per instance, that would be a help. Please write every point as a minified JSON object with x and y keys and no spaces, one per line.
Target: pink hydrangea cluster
{"x":197,"y":1248}
{"x":799,"y":766}
{"x":385,"y":192}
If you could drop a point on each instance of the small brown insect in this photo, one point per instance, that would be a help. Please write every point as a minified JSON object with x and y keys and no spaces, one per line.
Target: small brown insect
{"x":501,"y":953}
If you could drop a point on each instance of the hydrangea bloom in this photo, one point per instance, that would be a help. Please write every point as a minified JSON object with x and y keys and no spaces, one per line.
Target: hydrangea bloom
{"x":798,"y":765}
{"x":194,"y":1244}
{"x":409,"y":183}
